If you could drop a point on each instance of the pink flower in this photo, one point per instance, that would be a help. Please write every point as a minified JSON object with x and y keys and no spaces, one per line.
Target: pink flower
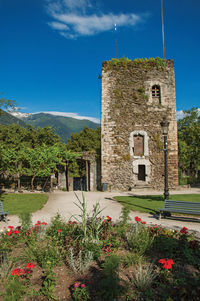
{"x":59,"y":230}
{"x":30,"y":265}
{"x":76,"y":284}
{"x":82,"y":285}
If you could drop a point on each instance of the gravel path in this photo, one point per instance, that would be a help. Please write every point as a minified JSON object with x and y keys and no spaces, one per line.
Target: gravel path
{"x":64,"y":203}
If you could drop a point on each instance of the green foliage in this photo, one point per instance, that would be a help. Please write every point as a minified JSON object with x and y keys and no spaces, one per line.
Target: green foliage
{"x":15,"y":290}
{"x":143,"y":276}
{"x":189,"y":141}
{"x":46,"y":255}
{"x":81,"y":294}
{"x":25,"y":220}
{"x":149,"y":63}
{"x":139,"y":238}
{"x":79,"y":262}
{"x":91,"y":223}
{"x":7,"y":104}
{"x":87,"y":140}
{"x":110,"y":286}
{"x":131,"y":258}
{"x":5,"y":264}
{"x":49,"y":282}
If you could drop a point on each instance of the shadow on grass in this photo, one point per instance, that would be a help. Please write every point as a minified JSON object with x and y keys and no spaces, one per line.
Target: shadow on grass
{"x":150,"y":210}
{"x":150,"y":198}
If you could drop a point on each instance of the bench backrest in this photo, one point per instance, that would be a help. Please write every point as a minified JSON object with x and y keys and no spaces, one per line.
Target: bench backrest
{"x":171,"y":204}
{"x":1,"y":207}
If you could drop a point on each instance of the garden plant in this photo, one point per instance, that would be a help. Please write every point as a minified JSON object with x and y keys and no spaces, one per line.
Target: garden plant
{"x":92,"y":258}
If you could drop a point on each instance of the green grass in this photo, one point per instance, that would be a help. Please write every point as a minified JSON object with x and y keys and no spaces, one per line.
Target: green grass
{"x":19,"y":203}
{"x":151,"y":203}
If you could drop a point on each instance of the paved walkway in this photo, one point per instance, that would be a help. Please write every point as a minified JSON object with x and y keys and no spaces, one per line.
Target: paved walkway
{"x":64,"y":203}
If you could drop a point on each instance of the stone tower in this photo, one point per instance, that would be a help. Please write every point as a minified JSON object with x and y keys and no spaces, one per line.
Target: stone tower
{"x":136,"y":96}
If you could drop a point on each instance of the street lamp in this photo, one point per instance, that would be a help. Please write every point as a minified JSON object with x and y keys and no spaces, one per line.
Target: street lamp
{"x":165,"y":125}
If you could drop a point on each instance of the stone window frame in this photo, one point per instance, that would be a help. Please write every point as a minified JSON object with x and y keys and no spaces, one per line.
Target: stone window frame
{"x":158,"y":86}
{"x":131,"y":143}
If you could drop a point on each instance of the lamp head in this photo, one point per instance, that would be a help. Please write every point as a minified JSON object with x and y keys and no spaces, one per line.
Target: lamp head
{"x":165,"y":125}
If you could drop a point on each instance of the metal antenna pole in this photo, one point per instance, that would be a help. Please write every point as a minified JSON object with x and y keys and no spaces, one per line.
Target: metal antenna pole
{"x":115,"y":40}
{"x":163,"y":31}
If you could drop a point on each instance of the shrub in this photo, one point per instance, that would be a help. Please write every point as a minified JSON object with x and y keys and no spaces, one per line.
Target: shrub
{"x":143,"y":276}
{"x":139,"y":238}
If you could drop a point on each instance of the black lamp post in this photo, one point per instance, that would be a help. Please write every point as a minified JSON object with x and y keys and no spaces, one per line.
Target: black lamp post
{"x":165,"y":125}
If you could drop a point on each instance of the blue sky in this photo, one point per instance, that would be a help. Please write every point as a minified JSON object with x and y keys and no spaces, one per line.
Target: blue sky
{"x":52,"y":50}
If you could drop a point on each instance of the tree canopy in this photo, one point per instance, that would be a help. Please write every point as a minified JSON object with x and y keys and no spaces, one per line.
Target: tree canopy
{"x":86,"y":140}
{"x":189,"y":141}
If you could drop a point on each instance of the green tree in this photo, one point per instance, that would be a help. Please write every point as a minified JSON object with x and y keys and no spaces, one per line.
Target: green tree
{"x":7,"y":104}
{"x":189,"y":142}
{"x":12,"y":160}
{"x":86,"y":140}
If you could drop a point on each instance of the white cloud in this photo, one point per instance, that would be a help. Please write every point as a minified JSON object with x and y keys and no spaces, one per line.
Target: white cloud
{"x":181,"y":114}
{"x":81,"y":19}
{"x":58,"y":26}
{"x":73,"y":115}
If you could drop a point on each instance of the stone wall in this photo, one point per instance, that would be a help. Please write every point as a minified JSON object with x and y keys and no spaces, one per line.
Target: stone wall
{"x":127,"y":108}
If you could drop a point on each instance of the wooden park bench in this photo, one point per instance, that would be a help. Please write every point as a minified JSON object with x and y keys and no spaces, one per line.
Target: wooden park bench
{"x":3,"y":214}
{"x":179,"y":207}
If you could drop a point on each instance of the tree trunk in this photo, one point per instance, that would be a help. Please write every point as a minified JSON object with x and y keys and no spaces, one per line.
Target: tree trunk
{"x":18,"y":183}
{"x":66,"y":176}
{"x":32,"y":182}
{"x":51,"y":184}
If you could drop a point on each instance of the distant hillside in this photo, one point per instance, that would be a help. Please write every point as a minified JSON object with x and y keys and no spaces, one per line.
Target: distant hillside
{"x":6,"y":119}
{"x":63,"y":126}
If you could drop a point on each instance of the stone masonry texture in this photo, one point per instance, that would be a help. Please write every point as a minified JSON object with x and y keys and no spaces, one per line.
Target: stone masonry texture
{"x":128,"y":107}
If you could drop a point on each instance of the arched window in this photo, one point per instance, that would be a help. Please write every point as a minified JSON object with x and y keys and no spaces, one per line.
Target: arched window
{"x":156,"y":95}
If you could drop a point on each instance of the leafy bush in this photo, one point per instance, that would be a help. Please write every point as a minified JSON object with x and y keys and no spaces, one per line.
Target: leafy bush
{"x":139,"y":238}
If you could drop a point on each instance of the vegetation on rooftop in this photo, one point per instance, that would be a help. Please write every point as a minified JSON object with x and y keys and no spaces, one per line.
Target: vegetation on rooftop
{"x":146,"y":63}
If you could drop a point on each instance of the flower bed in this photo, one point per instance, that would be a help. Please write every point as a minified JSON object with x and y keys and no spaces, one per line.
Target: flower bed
{"x":91,"y":258}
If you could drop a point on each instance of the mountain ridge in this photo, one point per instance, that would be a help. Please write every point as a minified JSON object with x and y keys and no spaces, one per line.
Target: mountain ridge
{"x":63,"y":126}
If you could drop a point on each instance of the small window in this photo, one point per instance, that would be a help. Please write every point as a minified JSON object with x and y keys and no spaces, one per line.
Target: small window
{"x":138,"y":141}
{"x":156,"y":93}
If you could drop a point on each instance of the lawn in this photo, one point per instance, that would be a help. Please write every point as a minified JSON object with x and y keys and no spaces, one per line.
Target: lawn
{"x":151,"y":203}
{"x":19,"y":203}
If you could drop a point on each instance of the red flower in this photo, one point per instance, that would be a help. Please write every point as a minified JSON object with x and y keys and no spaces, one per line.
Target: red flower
{"x":11,"y":227}
{"x":17,"y":272}
{"x":167,"y":263}
{"x":59,"y":230}
{"x":184,"y":230}
{"x":9,"y":233}
{"x":44,"y":223}
{"x":82,"y":285}
{"x":30,"y":265}
{"x":137,"y":219}
{"x":16,"y":232}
